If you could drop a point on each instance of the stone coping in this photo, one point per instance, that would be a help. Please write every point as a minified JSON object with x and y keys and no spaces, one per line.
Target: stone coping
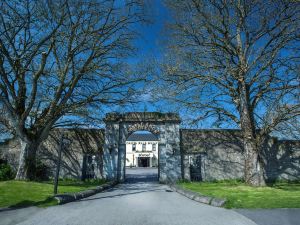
{"x":142,"y":117}
{"x":70,"y":197}
{"x":218,"y":202}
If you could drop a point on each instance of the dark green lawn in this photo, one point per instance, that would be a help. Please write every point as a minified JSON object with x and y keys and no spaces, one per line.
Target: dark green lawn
{"x":239,"y":195}
{"x":23,"y":193}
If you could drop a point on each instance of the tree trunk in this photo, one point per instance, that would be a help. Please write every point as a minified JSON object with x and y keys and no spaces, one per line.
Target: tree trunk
{"x":253,"y":166}
{"x":27,"y":161}
{"x":254,"y":173}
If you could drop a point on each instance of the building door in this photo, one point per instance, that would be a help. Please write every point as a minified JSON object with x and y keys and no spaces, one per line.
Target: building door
{"x":143,"y":161}
{"x":195,"y":168}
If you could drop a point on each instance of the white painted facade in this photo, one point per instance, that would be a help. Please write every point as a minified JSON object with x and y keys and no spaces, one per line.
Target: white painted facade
{"x":141,"y":153}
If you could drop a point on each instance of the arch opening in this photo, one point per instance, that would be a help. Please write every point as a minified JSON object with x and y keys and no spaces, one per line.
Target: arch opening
{"x":118,"y":129}
{"x":142,"y":156}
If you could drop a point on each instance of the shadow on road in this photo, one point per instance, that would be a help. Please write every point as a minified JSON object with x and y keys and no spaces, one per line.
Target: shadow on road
{"x":141,"y":175}
{"x":138,"y":180}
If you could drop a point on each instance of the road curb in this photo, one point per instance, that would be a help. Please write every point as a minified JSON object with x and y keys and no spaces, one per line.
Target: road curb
{"x":70,"y":197}
{"x":217,"y":202}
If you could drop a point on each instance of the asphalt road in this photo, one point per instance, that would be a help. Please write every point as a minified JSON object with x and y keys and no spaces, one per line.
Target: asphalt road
{"x":272,"y":216}
{"x":139,"y":201}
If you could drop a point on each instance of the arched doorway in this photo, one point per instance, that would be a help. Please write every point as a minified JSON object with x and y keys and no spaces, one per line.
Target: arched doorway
{"x":120,"y":126}
{"x":141,"y":164}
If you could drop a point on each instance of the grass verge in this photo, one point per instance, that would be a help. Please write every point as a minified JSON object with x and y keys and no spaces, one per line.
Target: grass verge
{"x":16,"y":194}
{"x":239,"y":195}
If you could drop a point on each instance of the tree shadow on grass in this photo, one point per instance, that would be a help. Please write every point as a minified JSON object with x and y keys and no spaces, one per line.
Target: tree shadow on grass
{"x":50,"y":201}
{"x":73,"y":183}
{"x":288,"y":186}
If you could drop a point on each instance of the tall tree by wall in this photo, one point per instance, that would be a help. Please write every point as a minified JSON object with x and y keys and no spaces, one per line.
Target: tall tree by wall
{"x":236,"y":62}
{"x":59,"y":58}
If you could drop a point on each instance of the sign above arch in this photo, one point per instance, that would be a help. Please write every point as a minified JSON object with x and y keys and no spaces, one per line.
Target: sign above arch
{"x":143,"y":126}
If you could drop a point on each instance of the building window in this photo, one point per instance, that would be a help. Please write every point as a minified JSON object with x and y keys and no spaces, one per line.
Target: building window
{"x":144,"y":147}
{"x":153,"y":147}
{"x":133,"y":147}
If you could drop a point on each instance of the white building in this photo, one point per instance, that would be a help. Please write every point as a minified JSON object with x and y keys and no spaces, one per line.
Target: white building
{"x":142,"y":150}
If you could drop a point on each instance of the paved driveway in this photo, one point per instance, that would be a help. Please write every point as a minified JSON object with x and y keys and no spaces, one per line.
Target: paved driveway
{"x":272,"y":216}
{"x":139,"y":201}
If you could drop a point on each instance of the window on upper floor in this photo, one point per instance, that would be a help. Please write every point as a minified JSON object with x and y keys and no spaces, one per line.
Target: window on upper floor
{"x":134,"y":147}
{"x":144,"y":147}
{"x":153,"y":147}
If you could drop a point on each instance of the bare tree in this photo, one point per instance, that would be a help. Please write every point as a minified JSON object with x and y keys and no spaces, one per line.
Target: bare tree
{"x":61,"y":58}
{"x":235,"y":62}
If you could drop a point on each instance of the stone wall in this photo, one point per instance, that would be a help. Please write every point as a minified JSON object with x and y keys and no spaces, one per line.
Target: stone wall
{"x":282,"y":159}
{"x":219,"y":155}
{"x":81,"y":158}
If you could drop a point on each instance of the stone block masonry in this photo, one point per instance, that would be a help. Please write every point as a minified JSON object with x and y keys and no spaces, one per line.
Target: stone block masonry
{"x":190,"y":154}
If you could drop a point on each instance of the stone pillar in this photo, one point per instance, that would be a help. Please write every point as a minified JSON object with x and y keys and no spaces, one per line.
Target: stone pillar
{"x":110,"y":151}
{"x":186,"y":167}
{"x":162,"y":163}
{"x":121,"y":162}
{"x":123,"y":135}
{"x":172,"y":152}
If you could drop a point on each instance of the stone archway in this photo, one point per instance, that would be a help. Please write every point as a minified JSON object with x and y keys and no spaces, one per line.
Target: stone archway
{"x":164,"y":125}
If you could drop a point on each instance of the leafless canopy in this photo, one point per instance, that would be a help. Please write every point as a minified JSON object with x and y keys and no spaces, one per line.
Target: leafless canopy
{"x":237,"y":61}
{"x":61,"y":57}
{"x":221,"y":46}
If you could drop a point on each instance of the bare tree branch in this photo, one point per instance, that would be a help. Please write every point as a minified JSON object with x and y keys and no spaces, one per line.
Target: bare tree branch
{"x":236,"y":61}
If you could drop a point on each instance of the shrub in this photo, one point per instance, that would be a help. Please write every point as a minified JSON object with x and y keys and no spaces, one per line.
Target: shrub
{"x":6,"y":171}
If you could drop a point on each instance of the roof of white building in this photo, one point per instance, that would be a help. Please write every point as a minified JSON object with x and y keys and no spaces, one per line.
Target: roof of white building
{"x":142,"y":137}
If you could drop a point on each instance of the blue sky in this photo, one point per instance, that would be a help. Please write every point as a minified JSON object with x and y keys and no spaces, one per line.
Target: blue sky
{"x":149,"y":45}
{"x":150,"y":34}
